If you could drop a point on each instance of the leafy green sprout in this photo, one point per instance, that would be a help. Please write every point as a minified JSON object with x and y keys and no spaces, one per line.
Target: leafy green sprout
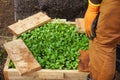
{"x":55,"y":45}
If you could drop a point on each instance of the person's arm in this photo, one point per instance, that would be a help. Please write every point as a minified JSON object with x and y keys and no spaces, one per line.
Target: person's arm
{"x":91,"y":13}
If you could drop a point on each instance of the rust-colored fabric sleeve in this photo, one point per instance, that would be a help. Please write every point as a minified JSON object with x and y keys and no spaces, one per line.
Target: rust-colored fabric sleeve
{"x":103,"y":47}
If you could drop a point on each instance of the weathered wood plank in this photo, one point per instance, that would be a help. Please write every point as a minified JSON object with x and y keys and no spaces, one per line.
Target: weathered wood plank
{"x":29,"y":23}
{"x":80,"y":25}
{"x":75,"y":75}
{"x":6,"y":67}
{"x":21,"y":57}
{"x":41,"y":74}
{"x":48,"y":75}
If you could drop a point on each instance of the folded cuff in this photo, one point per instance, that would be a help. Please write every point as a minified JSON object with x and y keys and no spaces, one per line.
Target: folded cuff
{"x":93,"y":3}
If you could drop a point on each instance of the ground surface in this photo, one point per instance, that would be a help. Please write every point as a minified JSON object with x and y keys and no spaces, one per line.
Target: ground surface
{"x":66,"y":9}
{"x":6,"y":18}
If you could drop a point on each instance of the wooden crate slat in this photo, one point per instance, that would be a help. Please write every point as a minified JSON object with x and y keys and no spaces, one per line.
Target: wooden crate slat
{"x":41,"y":74}
{"x":50,"y":74}
{"x":80,"y":24}
{"x":47,"y":75}
{"x":6,"y":67}
{"x":21,"y":57}
{"x":29,"y":23}
{"x":20,"y":78}
{"x":75,"y":75}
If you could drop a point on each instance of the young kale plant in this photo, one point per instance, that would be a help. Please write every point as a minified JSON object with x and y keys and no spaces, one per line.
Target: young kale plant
{"x":55,"y":45}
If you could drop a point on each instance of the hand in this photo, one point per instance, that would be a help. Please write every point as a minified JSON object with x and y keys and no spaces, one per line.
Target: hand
{"x":90,"y":15}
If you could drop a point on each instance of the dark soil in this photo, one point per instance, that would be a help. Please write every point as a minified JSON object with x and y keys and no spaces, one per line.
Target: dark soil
{"x":6,"y":16}
{"x":25,"y":8}
{"x":66,"y":9}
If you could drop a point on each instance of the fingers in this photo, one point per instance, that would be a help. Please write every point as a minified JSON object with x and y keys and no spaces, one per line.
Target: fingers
{"x":89,"y":34}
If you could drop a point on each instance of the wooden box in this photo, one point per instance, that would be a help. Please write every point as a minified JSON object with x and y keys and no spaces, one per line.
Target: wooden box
{"x":44,"y":74}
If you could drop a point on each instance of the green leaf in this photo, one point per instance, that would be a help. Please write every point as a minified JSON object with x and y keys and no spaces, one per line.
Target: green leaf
{"x":55,"y":45}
